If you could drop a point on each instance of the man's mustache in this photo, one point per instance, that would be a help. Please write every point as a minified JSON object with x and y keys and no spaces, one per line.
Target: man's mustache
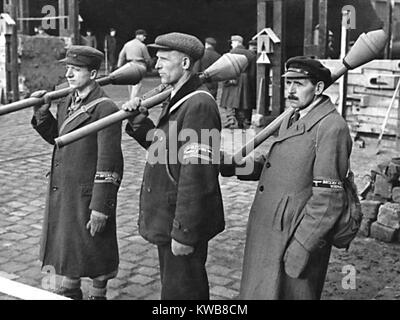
{"x":291,"y":97}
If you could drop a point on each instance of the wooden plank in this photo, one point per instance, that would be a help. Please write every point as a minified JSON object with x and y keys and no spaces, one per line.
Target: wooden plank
{"x":374,"y":112}
{"x":384,"y":64}
{"x":391,"y":130}
{"x":369,"y":101}
{"x":378,"y":120}
{"x":361,"y":90}
{"x":375,"y":92}
{"x":374,"y":80}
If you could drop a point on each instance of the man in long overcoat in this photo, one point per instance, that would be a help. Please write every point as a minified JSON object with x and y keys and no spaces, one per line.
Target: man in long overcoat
{"x":180,"y":199}
{"x":79,"y":229}
{"x":209,"y":57}
{"x":110,"y":47}
{"x":300,"y":194}
{"x":238,"y":96}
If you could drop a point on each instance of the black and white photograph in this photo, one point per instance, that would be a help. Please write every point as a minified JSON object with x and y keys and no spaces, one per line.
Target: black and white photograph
{"x":209,"y":152}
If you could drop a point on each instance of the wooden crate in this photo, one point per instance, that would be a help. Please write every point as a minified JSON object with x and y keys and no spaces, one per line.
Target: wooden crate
{"x":369,"y":92}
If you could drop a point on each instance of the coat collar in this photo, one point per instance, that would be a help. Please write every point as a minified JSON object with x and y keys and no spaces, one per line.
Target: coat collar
{"x":320,"y":111}
{"x":191,"y":85}
{"x":83,"y":117}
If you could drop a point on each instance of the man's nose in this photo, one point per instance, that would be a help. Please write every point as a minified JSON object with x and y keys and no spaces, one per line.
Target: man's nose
{"x":158,"y":64}
{"x":292,"y":88}
{"x":68,"y":74}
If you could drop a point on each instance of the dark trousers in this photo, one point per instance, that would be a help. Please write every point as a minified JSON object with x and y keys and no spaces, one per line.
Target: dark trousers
{"x":243,"y":117}
{"x":183,"y":277}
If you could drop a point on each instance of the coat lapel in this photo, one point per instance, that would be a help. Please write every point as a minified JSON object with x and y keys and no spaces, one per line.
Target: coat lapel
{"x":295,"y":130}
{"x":324,"y":108}
{"x":305,"y":124}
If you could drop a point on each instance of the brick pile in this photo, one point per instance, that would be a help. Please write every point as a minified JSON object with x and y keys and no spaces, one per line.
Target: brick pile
{"x":381,"y":208}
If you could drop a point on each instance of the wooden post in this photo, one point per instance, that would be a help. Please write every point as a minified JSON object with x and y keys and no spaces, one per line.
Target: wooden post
{"x":23,"y":26}
{"x":278,"y":58}
{"x":262,"y":69}
{"x":310,"y":49}
{"x":343,"y":51}
{"x":63,"y":23}
{"x":323,"y":29}
{"x":10,"y":6}
{"x":388,"y":28}
{"x":398,"y":122}
{"x":73,"y":21}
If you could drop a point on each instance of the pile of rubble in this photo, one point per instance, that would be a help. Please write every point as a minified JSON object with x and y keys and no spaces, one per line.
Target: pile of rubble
{"x":381,"y":204}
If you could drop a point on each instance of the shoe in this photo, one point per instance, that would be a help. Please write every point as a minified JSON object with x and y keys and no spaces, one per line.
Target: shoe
{"x":75,"y":294}
{"x":96,"y":298}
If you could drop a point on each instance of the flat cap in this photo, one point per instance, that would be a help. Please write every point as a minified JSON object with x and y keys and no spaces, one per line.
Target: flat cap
{"x":211,"y":41}
{"x":301,"y":67}
{"x":237,"y":38}
{"x":182,"y":42}
{"x":140,"y":32}
{"x":84,"y":56}
{"x":253,"y":42}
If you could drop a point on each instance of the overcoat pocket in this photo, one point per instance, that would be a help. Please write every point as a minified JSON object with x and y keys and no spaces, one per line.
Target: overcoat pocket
{"x":86,"y":189}
{"x":279,"y":213}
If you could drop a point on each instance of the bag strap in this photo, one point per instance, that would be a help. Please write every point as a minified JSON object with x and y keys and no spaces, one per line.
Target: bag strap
{"x":188,"y":96}
{"x":82,"y":109}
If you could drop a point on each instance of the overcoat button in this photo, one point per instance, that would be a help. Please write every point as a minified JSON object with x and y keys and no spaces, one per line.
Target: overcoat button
{"x":261,"y":188}
{"x":55,"y":188}
{"x":148,"y":189}
{"x":268,"y":165}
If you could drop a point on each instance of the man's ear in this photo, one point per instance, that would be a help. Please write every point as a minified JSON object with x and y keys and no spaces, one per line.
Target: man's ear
{"x":186,"y":63}
{"x":93,"y":74}
{"x":319,"y":88}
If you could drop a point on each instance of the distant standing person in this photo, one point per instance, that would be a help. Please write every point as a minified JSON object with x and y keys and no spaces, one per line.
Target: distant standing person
{"x":89,"y":40}
{"x":40,"y":32}
{"x":135,"y":51}
{"x":110,"y":48}
{"x":237,"y":96}
{"x":209,"y":57}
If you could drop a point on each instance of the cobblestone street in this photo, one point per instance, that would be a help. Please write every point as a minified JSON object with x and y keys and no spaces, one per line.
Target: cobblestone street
{"x":24,"y":161}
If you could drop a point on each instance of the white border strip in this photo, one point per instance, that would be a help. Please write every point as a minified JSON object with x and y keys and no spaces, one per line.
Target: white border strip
{"x":25,"y":292}
{"x":43,"y":18}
